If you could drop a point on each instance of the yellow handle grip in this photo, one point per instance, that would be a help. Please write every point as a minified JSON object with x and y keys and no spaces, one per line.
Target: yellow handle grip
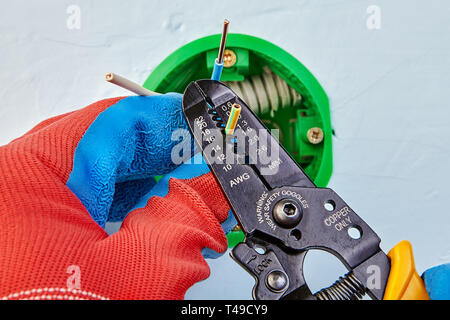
{"x":404,"y":283}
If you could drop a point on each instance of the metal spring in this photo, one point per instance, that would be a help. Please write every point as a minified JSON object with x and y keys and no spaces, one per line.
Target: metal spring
{"x":347,"y":287}
{"x":266,"y":92}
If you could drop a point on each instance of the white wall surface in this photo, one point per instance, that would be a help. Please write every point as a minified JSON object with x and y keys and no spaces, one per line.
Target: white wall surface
{"x":388,"y":90}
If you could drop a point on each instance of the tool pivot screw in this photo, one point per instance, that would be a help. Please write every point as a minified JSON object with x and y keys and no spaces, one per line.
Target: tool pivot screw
{"x":286,"y":213}
{"x":276,"y":281}
{"x":289,"y":209}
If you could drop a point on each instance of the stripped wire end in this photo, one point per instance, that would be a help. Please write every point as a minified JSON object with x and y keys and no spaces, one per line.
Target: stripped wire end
{"x":218,"y":64}
{"x":233,"y":118}
{"x":128,"y":85}
{"x":223,"y":40}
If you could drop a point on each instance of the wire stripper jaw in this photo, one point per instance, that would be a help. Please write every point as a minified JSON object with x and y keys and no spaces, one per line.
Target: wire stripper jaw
{"x":282,"y":213}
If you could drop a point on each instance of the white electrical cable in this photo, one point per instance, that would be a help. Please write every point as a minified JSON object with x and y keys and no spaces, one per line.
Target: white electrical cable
{"x":236,"y":88}
{"x":129,"y":85}
{"x":296,"y":97}
{"x":250,"y":95}
{"x":271,"y":89}
{"x":263,"y":100}
{"x":283,"y":91}
{"x":266,"y":92}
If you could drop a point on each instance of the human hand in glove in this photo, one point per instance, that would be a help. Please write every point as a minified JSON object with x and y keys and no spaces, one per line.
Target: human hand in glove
{"x":63,"y":180}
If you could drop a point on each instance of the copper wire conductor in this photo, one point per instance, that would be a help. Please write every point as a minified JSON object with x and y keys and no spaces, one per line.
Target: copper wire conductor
{"x":223,"y":41}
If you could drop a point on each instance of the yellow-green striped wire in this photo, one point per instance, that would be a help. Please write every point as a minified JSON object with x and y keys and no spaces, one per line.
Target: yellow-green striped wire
{"x":233,"y":118}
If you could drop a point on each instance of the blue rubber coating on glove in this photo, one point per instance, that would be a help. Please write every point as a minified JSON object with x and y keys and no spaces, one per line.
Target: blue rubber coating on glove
{"x":124,"y":148}
{"x":195,"y":167}
{"x":437,"y":282}
{"x":126,"y":195}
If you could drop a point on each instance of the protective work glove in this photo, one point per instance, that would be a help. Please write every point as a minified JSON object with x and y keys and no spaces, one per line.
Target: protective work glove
{"x":63,"y":180}
{"x":437,"y":282}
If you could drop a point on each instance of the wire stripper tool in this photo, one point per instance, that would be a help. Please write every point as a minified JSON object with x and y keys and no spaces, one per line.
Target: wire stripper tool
{"x":283,"y":214}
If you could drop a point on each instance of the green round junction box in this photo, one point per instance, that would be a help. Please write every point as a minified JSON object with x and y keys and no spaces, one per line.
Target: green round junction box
{"x":283,"y":93}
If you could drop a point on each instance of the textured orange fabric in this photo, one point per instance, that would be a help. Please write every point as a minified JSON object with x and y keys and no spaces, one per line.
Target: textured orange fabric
{"x":45,"y":231}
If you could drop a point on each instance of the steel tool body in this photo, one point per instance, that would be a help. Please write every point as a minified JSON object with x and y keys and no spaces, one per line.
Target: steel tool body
{"x":283,"y":214}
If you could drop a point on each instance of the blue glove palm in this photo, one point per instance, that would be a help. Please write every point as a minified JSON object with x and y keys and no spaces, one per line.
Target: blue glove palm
{"x":437,"y":282}
{"x":127,"y":144}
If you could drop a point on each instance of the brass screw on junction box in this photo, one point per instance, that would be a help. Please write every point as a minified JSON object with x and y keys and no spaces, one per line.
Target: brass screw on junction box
{"x":229,"y":58}
{"x":315,"y":135}
{"x":237,"y":228}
